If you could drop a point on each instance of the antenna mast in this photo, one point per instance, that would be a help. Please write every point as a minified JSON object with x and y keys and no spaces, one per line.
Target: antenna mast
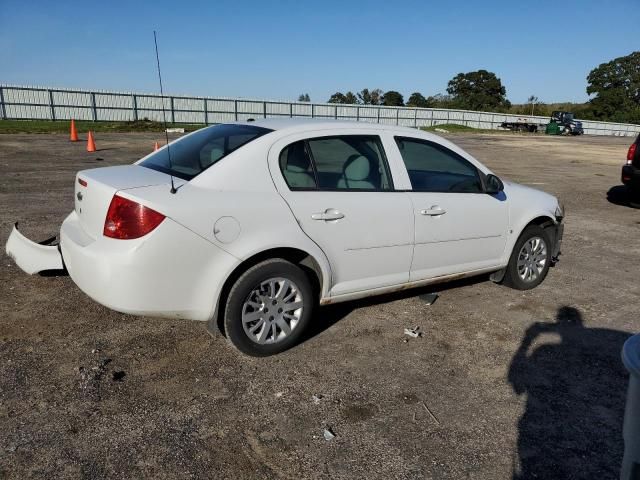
{"x":164,"y":115}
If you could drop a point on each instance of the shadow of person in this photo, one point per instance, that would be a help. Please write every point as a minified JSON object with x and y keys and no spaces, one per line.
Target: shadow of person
{"x":575,"y":385}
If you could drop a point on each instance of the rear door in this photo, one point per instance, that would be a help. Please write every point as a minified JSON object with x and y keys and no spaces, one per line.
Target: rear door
{"x":458,"y":227}
{"x":340,"y":189}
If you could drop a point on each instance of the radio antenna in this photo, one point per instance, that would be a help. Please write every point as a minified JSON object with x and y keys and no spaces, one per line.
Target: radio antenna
{"x":164,"y":115}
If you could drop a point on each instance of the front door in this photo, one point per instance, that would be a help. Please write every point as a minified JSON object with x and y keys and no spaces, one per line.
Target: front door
{"x":458,"y":227}
{"x":340,"y":190}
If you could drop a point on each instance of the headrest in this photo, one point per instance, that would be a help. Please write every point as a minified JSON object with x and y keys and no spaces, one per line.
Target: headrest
{"x":357,"y":168}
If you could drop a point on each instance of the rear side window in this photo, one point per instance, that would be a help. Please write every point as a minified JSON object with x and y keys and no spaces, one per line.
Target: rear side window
{"x":348,"y":162}
{"x":434,"y":168}
{"x":195,"y":153}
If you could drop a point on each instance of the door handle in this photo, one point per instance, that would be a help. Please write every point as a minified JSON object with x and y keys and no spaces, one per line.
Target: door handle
{"x":328,"y":215}
{"x":434,"y":211}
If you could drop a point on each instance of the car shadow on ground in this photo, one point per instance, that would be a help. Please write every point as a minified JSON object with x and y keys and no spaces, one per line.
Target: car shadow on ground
{"x":619,"y":195}
{"x":575,"y":387}
{"x":327,"y":316}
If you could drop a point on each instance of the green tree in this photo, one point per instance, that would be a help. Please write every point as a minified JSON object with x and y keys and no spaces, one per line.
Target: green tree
{"x":304,"y":97}
{"x":340,"y":97}
{"x":533,"y":101}
{"x":337,"y":97}
{"x":616,"y":86}
{"x":480,"y":90}
{"x":416,"y":99}
{"x":351,"y":98}
{"x":392,"y":99}
{"x":373,"y":97}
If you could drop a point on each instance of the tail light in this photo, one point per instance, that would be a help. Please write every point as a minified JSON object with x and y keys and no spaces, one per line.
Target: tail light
{"x":127,"y":219}
{"x":631,"y":153}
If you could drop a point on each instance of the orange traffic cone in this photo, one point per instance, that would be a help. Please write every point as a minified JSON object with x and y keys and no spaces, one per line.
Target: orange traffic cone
{"x":74,"y":133}
{"x":156,"y":147}
{"x":91,"y":144}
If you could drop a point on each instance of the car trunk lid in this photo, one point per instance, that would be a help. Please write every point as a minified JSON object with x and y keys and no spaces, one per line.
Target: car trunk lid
{"x":95,"y":188}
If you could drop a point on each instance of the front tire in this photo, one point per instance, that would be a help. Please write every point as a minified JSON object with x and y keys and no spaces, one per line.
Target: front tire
{"x":530,"y":259}
{"x":268,"y":308}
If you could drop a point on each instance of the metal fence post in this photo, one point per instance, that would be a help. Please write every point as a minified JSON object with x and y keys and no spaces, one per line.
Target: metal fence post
{"x":291,"y":110}
{"x":312,"y":110}
{"x":235,"y":109}
{"x":264,"y":109}
{"x":415,"y":118}
{"x":397,"y":116}
{"x":358,"y":114}
{"x":53,"y":111}
{"x":335,"y":111}
{"x":173,"y":114}
{"x":93,"y":107}
{"x":134,"y":105}
{"x":378,"y":113}
{"x":206,"y":114}
{"x":3,"y":108}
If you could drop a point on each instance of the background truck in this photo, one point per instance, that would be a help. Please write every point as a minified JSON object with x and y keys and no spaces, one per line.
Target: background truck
{"x":561,"y":123}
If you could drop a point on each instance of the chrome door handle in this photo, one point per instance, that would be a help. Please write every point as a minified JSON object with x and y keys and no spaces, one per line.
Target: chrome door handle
{"x":434,"y":211}
{"x":327,"y":215}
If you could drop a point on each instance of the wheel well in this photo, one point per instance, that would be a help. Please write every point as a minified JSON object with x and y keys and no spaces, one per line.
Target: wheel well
{"x":298,"y":257}
{"x":543,"y":222}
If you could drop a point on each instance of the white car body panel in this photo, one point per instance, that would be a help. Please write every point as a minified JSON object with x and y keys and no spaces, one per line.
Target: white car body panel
{"x":30,"y":256}
{"x":469,"y":235}
{"x":242,"y":207}
{"x":372,"y":245}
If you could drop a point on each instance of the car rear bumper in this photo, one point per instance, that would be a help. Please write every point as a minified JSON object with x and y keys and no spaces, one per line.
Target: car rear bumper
{"x":171,"y":272}
{"x":33,"y":257}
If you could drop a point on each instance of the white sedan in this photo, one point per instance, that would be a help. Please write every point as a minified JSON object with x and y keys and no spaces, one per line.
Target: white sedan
{"x":270,"y":218}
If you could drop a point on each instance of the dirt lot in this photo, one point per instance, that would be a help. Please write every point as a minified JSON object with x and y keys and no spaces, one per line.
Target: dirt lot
{"x":503,"y":384}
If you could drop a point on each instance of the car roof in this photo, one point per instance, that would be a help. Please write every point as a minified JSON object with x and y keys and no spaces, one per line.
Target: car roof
{"x":292,"y":125}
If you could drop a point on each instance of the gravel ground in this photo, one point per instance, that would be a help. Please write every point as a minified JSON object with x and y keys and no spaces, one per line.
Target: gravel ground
{"x":502,"y":384}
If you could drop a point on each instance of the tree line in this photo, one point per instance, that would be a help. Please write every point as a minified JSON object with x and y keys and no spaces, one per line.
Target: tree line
{"x":614,"y":87}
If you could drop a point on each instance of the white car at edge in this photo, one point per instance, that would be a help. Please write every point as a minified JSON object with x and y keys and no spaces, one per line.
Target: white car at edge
{"x":272,"y":217}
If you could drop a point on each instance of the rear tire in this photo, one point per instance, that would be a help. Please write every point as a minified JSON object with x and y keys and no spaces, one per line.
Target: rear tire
{"x":268,"y":308}
{"x":530,"y":259}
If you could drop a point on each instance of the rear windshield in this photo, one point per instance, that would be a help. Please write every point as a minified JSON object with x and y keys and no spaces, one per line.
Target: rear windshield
{"x":193,"y":154}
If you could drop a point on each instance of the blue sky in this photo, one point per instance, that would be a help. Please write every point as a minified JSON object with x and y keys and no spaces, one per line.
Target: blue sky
{"x":279,"y":49}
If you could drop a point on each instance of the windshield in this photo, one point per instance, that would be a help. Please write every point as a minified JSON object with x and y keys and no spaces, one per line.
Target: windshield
{"x":193,"y":154}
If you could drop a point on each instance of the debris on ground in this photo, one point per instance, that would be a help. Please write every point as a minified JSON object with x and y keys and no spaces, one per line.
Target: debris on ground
{"x":119,"y":376}
{"x":429,"y":298}
{"x":175,"y":130}
{"x":441,"y":130}
{"x":279,"y":394}
{"x":430,"y":413}
{"x":413,"y":332}
{"x":328,"y":434}
{"x":316,"y":397}
{"x":90,"y":378}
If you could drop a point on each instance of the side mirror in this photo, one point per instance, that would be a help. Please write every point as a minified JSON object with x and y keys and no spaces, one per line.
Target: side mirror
{"x":493,"y":184}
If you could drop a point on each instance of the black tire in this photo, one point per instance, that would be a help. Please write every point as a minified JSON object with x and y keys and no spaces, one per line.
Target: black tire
{"x":512,"y":278}
{"x":243,"y":288}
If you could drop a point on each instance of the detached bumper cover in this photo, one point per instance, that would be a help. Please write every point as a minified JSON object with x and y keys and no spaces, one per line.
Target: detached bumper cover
{"x":33,"y":257}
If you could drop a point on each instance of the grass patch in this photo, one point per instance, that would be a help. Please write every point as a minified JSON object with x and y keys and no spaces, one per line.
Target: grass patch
{"x":62,"y":126}
{"x":455,"y":128}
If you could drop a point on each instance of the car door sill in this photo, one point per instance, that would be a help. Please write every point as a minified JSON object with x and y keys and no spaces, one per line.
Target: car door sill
{"x":345,"y":297}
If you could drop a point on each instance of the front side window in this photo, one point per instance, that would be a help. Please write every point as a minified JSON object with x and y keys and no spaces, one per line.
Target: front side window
{"x":348,"y":162}
{"x":195,"y":153}
{"x":434,"y":168}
